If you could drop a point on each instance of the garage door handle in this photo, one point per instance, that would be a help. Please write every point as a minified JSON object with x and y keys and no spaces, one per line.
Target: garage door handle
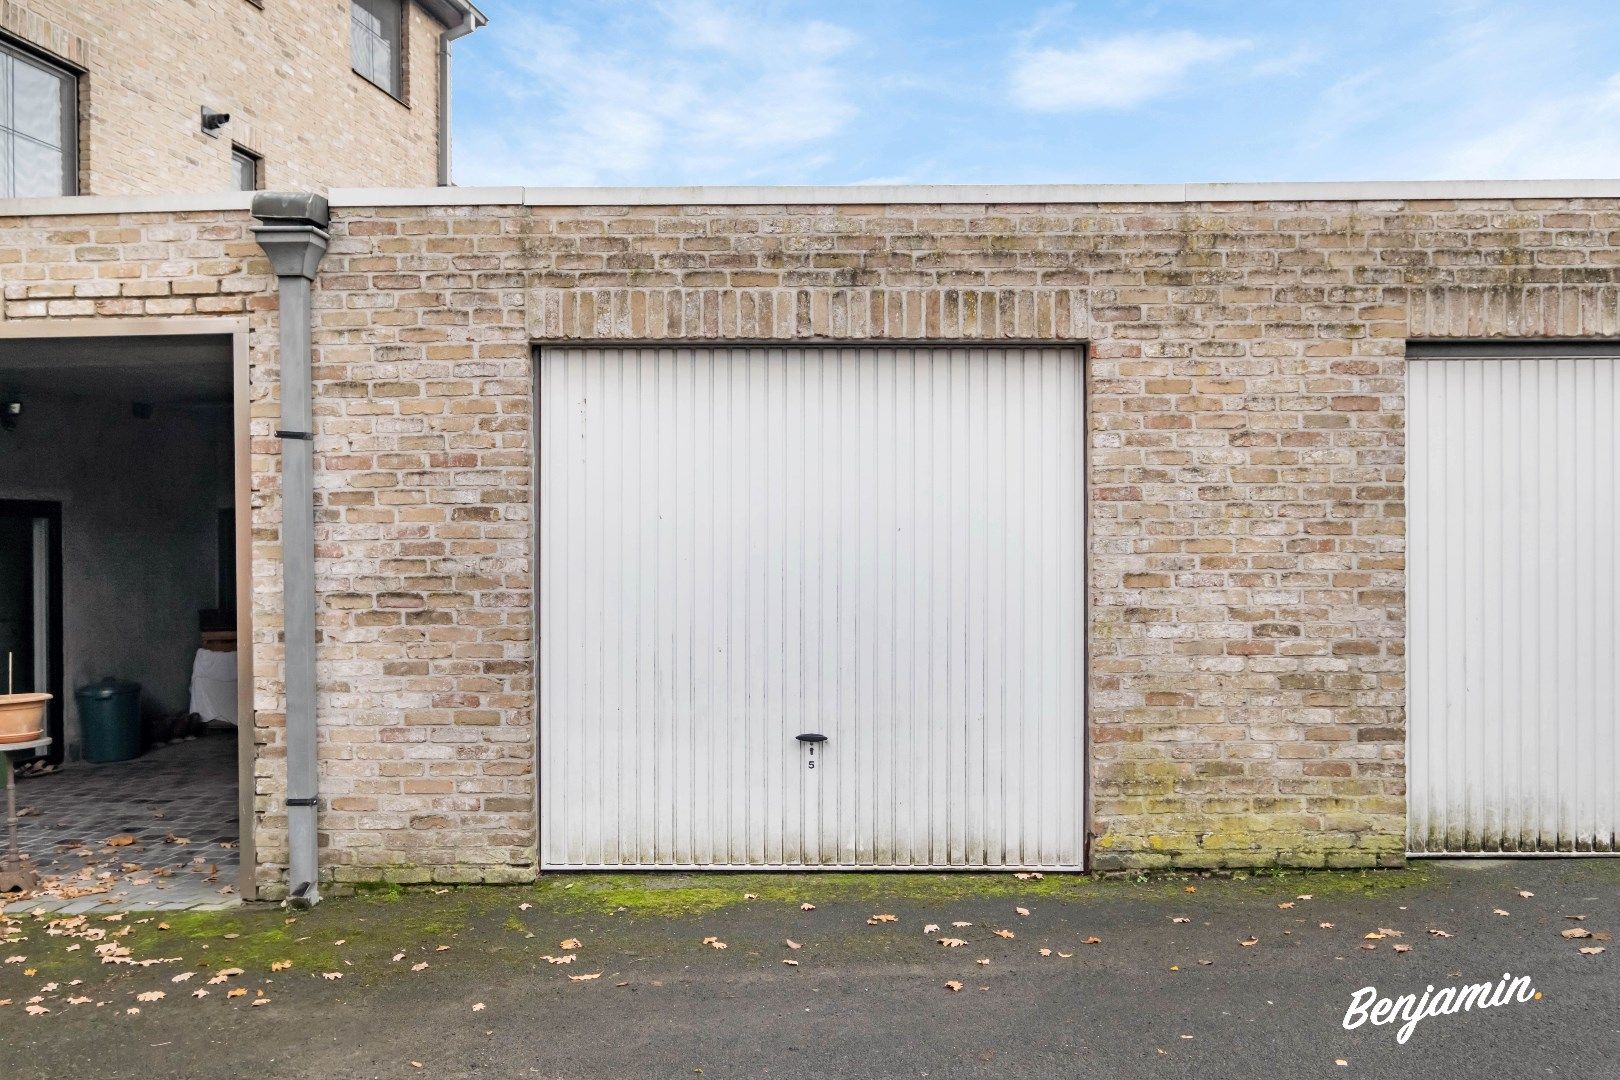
{"x":812,"y":738}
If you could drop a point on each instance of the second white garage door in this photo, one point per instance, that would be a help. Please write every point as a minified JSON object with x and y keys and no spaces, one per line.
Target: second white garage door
{"x":879,"y":549}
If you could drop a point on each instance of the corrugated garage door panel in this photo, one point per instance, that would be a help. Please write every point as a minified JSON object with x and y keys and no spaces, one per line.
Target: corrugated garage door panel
{"x":742,"y":545}
{"x":1512,"y":593}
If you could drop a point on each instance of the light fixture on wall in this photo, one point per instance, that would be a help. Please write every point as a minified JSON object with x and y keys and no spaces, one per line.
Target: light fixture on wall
{"x":10,"y":413}
{"x":213,"y":120}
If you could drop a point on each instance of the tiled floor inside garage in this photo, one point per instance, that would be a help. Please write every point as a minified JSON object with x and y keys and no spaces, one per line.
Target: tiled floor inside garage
{"x":176,"y":804}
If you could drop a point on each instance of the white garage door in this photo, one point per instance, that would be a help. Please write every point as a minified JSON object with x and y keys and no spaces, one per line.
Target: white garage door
{"x":1512,"y":595}
{"x":741,"y":546}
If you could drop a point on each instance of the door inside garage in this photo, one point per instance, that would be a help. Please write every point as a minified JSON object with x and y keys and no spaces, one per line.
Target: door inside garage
{"x":1512,"y":595}
{"x":807,"y":607}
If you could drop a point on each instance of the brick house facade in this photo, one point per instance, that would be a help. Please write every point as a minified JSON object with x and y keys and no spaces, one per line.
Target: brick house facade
{"x":1245,"y":355}
{"x":281,"y":70}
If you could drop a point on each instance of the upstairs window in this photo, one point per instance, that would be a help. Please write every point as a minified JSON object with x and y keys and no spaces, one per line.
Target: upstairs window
{"x":244,"y":169}
{"x":38,"y":127}
{"x":375,"y":28}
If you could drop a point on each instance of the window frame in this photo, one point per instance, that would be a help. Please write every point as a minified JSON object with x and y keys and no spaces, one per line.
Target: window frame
{"x":398,"y":92}
{"x":68,"y":77}
{"x":242,"y":153}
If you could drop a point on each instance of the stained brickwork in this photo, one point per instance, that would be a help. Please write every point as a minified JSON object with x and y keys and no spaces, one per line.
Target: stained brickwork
{"x":1246,"y":411}
{"x":280,"y":69}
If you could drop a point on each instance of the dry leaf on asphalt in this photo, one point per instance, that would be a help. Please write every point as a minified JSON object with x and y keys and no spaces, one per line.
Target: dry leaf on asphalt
{"x":259,"y":1001}
{"x":1286,"y":904}
{"x":419,"y":966}
{"x":1325,"y":925}
{"x":1591,"y":950}
{"x":794,"y":945}
{"x":280,"y":965}
{"x":1402,"y":948}
{"x":951,"y":942}
{"x":875,"y":919}
{"x":1246,"y":942}
{"x":807,"y":907}
{"x":1021,"y":910}
{"x":1526,"y":894}
{"x":398,"y":957}
{"x":931,"y":928}
{"x":122,"y":839}
{"x":1004,"y":934}
{"x":1091,"y":940}
{"x":1179,"y":919}
{"x":184,"y":976}
{"x":151,"y":995}
{"x":791,"y":963}
{"x":1065,"y":955}
{"x":199,"y":993}
{"x":1575,"y":932}
{"x":1439,"y":933}
{"x":330,"y":975}
{"x":571,"y":943}
{"x":1577,"y":918}
{"x":1498,"y":911}
{"x":478,"y":1006}
{"x":236,"y":992}
{"x":567,"y":958}
{"x":960,"y":924}
{"x":714,"y":943}
{"x":1046,"y":952}
{"x":953,"y":986}
{"x":983,"y":961}
{"x":585,"y":978}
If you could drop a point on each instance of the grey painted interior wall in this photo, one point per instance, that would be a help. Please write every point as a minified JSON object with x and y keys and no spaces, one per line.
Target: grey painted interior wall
{"x":140,"y":500}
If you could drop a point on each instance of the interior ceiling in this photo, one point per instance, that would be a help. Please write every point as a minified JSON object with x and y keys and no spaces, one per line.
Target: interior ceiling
{"x":183,"y":368}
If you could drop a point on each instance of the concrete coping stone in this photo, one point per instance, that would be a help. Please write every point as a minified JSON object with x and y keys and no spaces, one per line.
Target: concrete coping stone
{"x":1383,"y":191}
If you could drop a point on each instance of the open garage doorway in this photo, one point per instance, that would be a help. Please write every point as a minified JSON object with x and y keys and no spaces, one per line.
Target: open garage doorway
{"x":123,"y":595}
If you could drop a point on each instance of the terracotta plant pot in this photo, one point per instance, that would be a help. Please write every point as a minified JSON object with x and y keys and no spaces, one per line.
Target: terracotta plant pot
{"x":22,"y":717}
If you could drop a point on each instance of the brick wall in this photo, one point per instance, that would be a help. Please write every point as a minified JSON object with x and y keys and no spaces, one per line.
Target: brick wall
{"x":281,"y":70}
{"x":1246,"y":378}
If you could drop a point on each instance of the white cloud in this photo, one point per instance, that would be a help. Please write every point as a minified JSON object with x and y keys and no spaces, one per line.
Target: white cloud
{"x":1577,"y":136}
{"x":689,"y":91}
{"x":1113,"y":73}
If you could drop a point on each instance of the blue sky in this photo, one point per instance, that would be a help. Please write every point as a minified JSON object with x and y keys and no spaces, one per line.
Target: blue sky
{"x":608,"y":92}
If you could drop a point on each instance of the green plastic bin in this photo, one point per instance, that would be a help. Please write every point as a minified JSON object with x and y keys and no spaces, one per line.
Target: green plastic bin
{"x":110,"y":720}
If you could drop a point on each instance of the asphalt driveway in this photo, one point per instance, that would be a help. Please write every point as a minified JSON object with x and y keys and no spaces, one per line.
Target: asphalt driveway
{"x":1137,"y":979}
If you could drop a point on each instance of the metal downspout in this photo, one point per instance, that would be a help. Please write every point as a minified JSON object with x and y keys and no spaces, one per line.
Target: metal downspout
{"x":293,"y":233}
{"x":470,"y":21}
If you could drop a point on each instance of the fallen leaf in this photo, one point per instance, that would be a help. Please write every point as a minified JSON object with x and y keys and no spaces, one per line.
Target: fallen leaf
{"x":1369,"y":945}
{"x":525,"y":906}
{"x":478,"y":1006}
{"x":749,"y":896}
{"x":1400,"y":948}
{"x":953,"y":986}
{"x":1065,"y":955}
{"x":1526,"y":894}
{"x":1376,"y":935}
{"x":1091,"y":941}
{"x":1246,"y":942}
{"x":37,"y":1010}
{"x":567,"y":959}
{"x":807,"y":907}
{"x":931,"y":928}
{"x":1577,"y":918}
{"x":714,"y":943}
{"x":419,"y":966}
{"x":951,"y":942}
{"x":259,"y":1001}
{"x":791,"y":963}
{"x":1341,"y":1062}
{"x":584,"y":978}
{"x":441,"y":948}
{"x":1498,"y":911}
{"x":151,"y":995}
{"x":1286,"y":904}
{"x":199,"y":993}
{"x":959,"y":924}
{"x":1325,"y":925}
{"x":1190,"y":888}
{"x":1046,"y":952}
{"x":1575,"y":932}
{"x":1387,"y":932}
{"x":1304,"y":896}
{"x":122,"y":839}
{"x":1180,"y":919}
{"x":794,"y":945}
{"x":236,"y":992}
{"x":1591,"y":950}
{"x":875,"y":919}
{"x":1439,"y":933}
{"x":78,"y":1000}
{"x":1021,"y":910}
{"x":330,"y":975}
{"x":280,"y":965}
{"x":571,"y":943}
{"x":983,"y":961}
